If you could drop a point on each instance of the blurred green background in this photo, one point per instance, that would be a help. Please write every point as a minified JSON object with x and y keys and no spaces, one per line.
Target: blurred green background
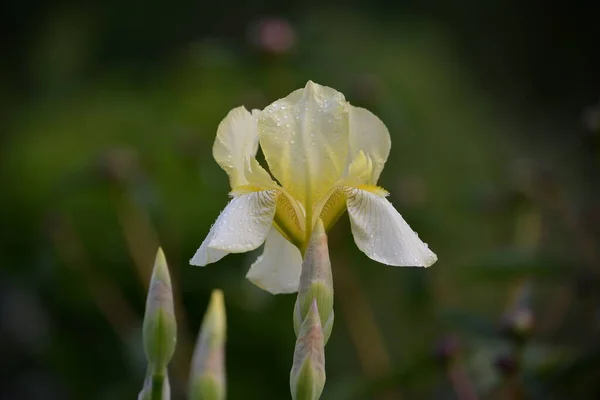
{"x":108,"y":113}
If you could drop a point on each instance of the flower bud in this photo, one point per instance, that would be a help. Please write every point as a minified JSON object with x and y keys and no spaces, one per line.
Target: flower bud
{"x":207,"y":380}
{"x":307,"y":377}
{"x":160,"y":327}
{"x":316,"y":282}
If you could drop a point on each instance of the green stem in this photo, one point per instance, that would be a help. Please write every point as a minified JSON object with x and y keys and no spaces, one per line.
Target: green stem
{"x":157,"y":386}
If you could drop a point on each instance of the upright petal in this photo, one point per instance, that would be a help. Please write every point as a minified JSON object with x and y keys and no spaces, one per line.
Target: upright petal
{"x":235,"y":148}
{"x":305,"y":140}
{"x":278,"y":269}
{"x":382,"y":234}
{"x":369,"y":135}
{"x":242,"y":226}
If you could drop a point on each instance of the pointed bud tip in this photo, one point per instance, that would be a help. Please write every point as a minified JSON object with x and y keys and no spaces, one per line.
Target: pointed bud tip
{"x":216,"y":305}
{"x":216,"y":297}
{"x":160,"y":256}
{"x":310,"y":85}
{"x":160,"y":290}
{"x":312,"y":90}
{"x":161,"y":269}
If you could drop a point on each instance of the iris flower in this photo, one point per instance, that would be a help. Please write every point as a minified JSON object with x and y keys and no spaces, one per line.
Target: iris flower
{"x":326,"y":157}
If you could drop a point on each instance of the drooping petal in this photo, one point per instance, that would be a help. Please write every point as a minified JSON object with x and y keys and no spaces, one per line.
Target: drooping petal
{"x":205,"y":255}
{"x":235,"y":148}
{"x":368,"y":134}
{"x":278,"y":269}
{"x":242,"y":226}
{"x":305,"y":140}
{"x":382,"y":234}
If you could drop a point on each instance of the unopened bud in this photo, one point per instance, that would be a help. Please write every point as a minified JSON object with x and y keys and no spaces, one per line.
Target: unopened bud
{"x":307,"y":377}
{"x":208,"y":377}
{"x":316,"y":282}
{"x":160,"y":327}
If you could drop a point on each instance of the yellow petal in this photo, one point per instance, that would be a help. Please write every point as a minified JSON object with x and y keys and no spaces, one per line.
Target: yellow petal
{"x":381,"y":232}
{"x":305,"y":141}
{"x":289,"y":219}
{"x":331,"y":207}
{"x":368,"y":134}
{"x":360,"y":170}
{"x":278,"y":269}
{"x":235,"y":148}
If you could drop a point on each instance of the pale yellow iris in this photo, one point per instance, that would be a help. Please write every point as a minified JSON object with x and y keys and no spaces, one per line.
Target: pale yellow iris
{"x":326,"y":156}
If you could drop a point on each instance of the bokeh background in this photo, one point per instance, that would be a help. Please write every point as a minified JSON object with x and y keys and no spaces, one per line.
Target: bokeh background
{"x":108,"y":113}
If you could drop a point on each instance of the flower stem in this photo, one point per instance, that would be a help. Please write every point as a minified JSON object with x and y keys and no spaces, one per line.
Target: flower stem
{"x":157,"y":386}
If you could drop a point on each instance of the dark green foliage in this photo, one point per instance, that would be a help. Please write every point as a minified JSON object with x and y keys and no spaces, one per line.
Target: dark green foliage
{"x":106,"y":152}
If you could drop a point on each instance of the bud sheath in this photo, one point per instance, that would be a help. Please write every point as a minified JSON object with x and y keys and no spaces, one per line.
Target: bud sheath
{"x":307,"y":377}
{"x":316,"y":282}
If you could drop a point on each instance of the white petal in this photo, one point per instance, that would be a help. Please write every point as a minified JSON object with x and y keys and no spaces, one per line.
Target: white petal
{"x":305,"y":140}
{"x":382,"y":234}
{"x":205,"y":255}
{"x":278,"y":269}
{"x":242,"y":226}
{"x":236,"y":145}
{"x":369,"y":135}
